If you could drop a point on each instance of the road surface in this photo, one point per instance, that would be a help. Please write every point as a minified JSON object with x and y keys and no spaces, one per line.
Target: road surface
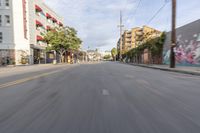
{"x":98,"y":98}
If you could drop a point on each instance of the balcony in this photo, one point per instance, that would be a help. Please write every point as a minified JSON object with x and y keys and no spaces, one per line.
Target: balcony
{"x":129,"y":36}
{"x":139,"y":38}
{"x":48,"y":16}
{"x":39,"y":38}
{"x":139,"y":33}
{"x":48,"y":28}
{"x":60,"y":24}
{"x":38,"y":23}
{"x":128,"y":39}
{"x":38,"y":8}
{"x":38,"y":32}
{"x":54,"y":20}
{"x":42,"y":44}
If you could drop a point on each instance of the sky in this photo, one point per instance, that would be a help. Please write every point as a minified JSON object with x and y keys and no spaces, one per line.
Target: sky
{"x":96,"y":20}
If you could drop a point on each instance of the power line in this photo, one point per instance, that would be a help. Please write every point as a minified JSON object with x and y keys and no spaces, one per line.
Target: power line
{"x":135,"y":11}
{"x":137,"y":7}
{"x":159,"y":10}
{"x":124,"y":8}
{"x":156,"y":13}
{"x":120,"y":26}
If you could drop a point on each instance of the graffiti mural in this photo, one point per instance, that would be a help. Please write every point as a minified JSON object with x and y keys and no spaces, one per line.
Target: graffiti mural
{"x":188,"y":45}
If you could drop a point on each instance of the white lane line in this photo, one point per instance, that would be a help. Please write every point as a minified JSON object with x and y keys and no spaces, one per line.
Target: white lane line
{"x":105,"y":92}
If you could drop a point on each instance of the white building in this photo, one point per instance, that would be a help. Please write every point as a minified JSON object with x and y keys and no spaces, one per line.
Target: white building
{"x":107,"y":53}
{"x":22,"y":26}
{"x":93,"y":55}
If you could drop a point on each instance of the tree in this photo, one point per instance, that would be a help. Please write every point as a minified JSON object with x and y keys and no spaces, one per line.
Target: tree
{"x":107,"y":57}
{"x":114,"y":53}
{"x":62,"y":39}
{"x":73,"y":41}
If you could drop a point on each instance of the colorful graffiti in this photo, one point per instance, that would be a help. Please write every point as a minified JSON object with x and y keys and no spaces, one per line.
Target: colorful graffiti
{"x":188,"y":46}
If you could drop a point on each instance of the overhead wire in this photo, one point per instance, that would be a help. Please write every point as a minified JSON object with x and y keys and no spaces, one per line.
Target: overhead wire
{"x":136,"y":9}
{"x":160,"y":9}
{"x":138,"y":5}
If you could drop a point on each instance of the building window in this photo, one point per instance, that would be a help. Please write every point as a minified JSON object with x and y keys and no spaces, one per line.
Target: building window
{"x":7,"y":3}
{"x":1,"y":37}
{"x":7,"y":19}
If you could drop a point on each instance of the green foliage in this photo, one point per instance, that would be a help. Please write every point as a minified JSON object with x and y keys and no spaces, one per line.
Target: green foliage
{"x":62,"y":39}
{"x":73,"y":41}
{"x":114,"y":52}
{"x":107,"y":57}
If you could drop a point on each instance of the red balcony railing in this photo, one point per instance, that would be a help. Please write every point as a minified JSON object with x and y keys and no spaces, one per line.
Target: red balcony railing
{"x":48,"y":16}
{"x":54,"y":20}
{"x":38,"y":23}
{"x":48,"y":28}
{"x":39,"y":38}
{"x":38,"y":9}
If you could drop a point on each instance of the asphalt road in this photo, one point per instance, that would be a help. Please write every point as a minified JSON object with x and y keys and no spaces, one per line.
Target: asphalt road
{"x":101,"y":98}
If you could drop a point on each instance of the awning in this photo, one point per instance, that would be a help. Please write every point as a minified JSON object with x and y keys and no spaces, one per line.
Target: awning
{"x":48,"y":28}
{"x":54,"y":20}
{"x":39,"y":38}
{"x":38,"y":23}
{"x":37,"y":8}
{"x":33,"y":46}
{"x":60,"y":24}
{"x":48,"y":15}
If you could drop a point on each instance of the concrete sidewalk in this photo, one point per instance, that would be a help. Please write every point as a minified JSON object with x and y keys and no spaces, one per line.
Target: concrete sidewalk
{"x":2,"y":68}
{"x":178,"y":69}
{"x":6,"y":69}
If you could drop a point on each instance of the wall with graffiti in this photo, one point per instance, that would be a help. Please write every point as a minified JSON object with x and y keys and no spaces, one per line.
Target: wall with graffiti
{"x":188,"y":45}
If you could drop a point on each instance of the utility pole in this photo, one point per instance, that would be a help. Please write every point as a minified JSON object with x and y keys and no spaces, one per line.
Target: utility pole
{"x":173,"y":36}
{"x":120,"y":26}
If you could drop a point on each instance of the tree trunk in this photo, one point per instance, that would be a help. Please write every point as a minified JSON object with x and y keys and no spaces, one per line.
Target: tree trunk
{"x":62,"y":56}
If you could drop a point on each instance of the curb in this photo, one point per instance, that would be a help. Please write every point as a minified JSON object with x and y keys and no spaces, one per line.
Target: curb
{"x":167,"y":69}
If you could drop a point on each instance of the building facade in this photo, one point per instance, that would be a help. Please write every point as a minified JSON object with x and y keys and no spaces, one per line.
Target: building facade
{"x":22,"y":26}
{"x":93,"y":55}
{"x":187,"y":50}
{"x":136,"y":36}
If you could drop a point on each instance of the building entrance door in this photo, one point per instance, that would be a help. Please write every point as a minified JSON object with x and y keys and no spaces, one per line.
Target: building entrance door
{"x":36,"y":56}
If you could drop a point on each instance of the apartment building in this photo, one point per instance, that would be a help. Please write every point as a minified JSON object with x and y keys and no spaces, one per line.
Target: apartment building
{"x":130,"y":39}
{"x":22,"y":26}
{"x":137,"y":36}
{"x":150,"y":33}
{"x":126,"y":41}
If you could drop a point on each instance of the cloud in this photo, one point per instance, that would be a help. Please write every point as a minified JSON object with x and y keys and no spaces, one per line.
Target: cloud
{"x":97,"y":20}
